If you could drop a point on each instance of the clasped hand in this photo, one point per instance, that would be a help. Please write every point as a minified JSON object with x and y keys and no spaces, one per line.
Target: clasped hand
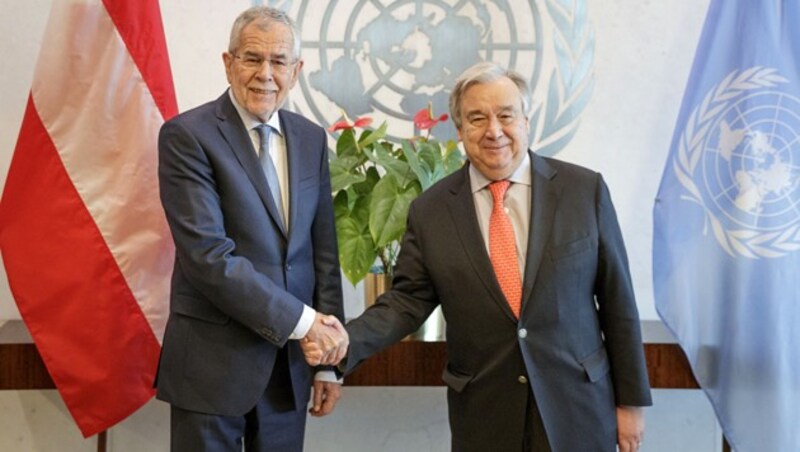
{"x":326,"y":342}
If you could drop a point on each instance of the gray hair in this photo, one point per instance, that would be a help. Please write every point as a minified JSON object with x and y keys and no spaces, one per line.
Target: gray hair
{"x":264,"y":16}
{"x":485,"y":72}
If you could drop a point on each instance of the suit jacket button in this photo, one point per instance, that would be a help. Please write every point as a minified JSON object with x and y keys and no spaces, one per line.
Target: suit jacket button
{"x":288,"y":267}
{"x":522,"y":379}
{"x":522,"y":333}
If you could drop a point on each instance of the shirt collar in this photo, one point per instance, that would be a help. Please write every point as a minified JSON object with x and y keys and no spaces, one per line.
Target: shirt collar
{"x":522,"y":175}
{"x":250,"y":122}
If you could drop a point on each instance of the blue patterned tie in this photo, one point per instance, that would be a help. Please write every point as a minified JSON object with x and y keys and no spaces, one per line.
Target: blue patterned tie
{"x":268,"y":166}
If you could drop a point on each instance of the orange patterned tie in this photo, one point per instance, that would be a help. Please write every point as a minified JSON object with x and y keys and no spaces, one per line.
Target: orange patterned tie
{"x":502,"y":248}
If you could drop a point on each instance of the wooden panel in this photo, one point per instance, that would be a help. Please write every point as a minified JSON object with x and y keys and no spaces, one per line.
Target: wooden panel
{"x":668,"y":367}
{"x":21,"y":367}
{"x":407,"y":363}
{"x":421,"y":363}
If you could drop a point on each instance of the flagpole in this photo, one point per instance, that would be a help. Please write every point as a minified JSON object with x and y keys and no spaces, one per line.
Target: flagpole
{"x":101,"y":441}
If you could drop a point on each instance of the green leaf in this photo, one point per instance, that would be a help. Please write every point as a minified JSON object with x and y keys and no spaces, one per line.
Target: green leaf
{"x":356,"y":249}
{"x":346,"y":144}
{"x":371,"y":136}
{"x":419,"y":168}
{"x":360,"y":210}
{"x":389,"y":210}
{"x":343,"y":173}
{"x":391,"y":164}
{"x":366,"y":186}
{"x":341,"y":207}
{"x":453,"y":158}
{"x":430,"y":153}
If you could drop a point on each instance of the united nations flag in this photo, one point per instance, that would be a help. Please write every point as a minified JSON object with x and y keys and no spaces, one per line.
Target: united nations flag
{"x":726,"y":247}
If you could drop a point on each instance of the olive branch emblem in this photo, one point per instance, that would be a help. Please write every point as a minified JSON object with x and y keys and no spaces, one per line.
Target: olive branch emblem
{"x":570,"y":83}
{"x":745,"y":242}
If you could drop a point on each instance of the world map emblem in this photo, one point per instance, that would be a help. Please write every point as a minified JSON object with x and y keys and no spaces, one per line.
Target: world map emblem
{"x":389,"y":59}
{"x":739,"y":158}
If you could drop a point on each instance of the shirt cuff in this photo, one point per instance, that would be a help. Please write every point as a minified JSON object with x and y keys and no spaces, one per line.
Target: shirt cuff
{"x":304,"y":324}
{"x":328,"y":376}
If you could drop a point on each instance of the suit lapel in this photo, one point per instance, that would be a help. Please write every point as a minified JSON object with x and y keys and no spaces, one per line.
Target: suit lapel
{"x":462,"y":209}
{"x":544,"y":199}
{"x":232,"y":129}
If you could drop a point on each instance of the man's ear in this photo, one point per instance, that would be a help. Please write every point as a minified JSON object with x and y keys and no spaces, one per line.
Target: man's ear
{"x":227,"y":60}
{"x":296,"y":72}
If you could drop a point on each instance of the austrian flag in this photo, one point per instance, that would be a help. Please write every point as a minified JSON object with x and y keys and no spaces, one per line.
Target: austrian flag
{"x":84,"y":240}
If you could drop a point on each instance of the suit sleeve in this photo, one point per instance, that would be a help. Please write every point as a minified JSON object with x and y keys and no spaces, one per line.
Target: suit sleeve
{"x":401,"y":310}
{"x":205,"y":256}
{"x":619,"y":317}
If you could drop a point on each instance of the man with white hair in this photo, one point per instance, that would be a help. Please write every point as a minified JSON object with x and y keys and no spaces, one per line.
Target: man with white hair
{"x":246,"y":191}
{"x":525,"y":256}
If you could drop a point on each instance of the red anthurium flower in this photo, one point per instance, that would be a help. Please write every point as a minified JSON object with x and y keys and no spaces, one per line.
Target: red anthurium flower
{"x":424,"y":119}
{"x":362,"y":122}
{"x":345,"y":123}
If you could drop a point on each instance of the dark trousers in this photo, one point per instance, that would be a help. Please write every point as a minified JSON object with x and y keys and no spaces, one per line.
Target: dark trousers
{"x":273,"y":425}
{"x":535,"y":439}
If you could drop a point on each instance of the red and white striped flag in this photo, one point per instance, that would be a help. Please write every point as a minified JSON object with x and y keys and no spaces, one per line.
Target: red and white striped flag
{"x":84,"y":239}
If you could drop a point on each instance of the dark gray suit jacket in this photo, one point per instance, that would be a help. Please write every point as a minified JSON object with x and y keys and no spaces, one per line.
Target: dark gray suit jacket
{"x":240,"y":280}
{"x":577,"y":343}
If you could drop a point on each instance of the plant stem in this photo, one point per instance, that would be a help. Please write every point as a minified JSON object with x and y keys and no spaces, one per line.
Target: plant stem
{"x":383,"y":255}
{"x":388,"y":255}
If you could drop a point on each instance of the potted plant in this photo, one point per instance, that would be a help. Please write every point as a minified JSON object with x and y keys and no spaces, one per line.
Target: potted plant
{"x":374,"y":181}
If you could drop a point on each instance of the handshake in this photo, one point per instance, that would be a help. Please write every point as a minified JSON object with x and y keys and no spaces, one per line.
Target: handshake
{"x":326,"y":342}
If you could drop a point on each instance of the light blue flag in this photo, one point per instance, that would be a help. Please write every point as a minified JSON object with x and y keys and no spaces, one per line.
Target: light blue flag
{"x":726,"y":248}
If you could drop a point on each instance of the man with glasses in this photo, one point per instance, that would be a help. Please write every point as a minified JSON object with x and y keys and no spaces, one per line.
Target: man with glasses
{"x":246,"y":190}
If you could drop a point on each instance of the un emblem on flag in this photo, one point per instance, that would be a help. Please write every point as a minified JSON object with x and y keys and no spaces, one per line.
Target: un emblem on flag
{"x":739,"y":158}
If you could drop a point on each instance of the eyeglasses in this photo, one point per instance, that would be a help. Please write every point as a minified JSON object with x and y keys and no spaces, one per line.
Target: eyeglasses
{"x":254,"y":62}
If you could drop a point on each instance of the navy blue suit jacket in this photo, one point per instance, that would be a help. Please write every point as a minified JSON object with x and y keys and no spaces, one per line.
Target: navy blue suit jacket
{"x":240,"y":279}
